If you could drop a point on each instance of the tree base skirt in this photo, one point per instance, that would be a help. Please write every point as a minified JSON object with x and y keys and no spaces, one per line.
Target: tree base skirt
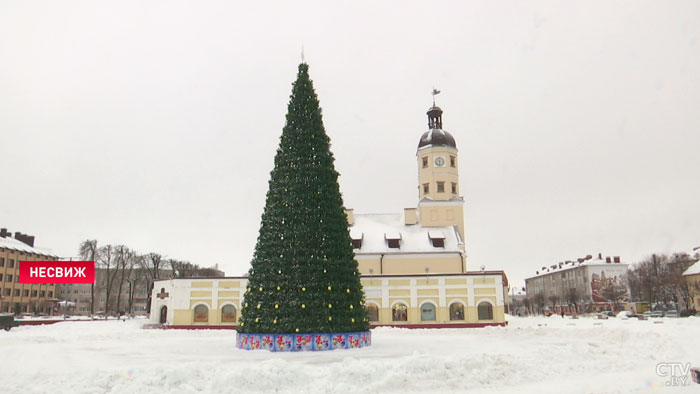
{"x":303,"y":342}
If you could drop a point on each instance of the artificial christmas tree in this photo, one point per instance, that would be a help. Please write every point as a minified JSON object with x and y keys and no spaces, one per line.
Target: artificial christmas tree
{"x":304,"y":279}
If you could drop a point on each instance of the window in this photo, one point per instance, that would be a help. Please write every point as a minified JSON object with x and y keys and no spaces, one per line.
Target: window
{"x":16,"y":292}
{"x":8,"y":278}
{"x":11,"y":263}
{"x":2,"y":261}
{"x":356,"y":239}
{"x":51,"y":294}
{"x":425,"y":161}
{"x":16,"y":278}
{"x":25,"y":293}
{"x":426,"y":188}
{"x":485,"y":311}
{"x":453,"y":161}
{"x":228,"y":313}
{"x":42,"y":294}
{"x":0,"y":277}
{"x":393,"y":240}
{"x":201,"y":314}
{"x":399,"y":312}
{"x":437,"y":238}
{"x":456,"y":311}
{"x":441,"y":187}
{"x":372,"y":312}
{"x":34,"y":293}
{"x":454,"y":188}
{"x":427,"y":312}
{"x":7,"y":292}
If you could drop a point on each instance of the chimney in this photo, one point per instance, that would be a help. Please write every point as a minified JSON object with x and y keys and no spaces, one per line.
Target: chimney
{"x":588,"y":257}
{"x":616,"y":259}
{"x":600,"y":256}
{"x":607,"y":260}
{"x":29,"y":240}
{"x":4,"y":233}
{"x":410,"y":216}
{"x":351,"y":216}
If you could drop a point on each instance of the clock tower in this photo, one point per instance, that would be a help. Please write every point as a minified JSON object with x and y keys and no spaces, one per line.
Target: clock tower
{"x":439,"y":200}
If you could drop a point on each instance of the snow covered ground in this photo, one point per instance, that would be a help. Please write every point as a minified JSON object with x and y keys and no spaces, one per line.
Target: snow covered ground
{"x":531,"y":355}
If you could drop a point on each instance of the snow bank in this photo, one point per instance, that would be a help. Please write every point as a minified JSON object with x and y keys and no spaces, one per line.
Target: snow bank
{"x":544,"y":355}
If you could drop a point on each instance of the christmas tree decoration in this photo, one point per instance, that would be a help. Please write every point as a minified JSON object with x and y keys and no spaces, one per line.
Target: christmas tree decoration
{"x":303,"y":244}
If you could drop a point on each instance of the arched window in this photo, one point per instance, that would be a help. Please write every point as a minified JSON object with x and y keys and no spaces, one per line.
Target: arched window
{"x":427,"y":312}
{"x":399,"y":312}
{"x":228,"y":314}
{"x":456,"y":311}
{"x":201,"y":314}
{"x":163,"y":314}
{"x":485,"y":311}
{"x":372,"y":312}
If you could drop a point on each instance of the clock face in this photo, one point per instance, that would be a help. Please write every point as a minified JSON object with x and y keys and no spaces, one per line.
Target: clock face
{"x":439,"y":161}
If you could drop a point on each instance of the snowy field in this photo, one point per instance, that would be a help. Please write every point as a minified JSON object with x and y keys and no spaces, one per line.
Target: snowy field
{"x":531,"y":355}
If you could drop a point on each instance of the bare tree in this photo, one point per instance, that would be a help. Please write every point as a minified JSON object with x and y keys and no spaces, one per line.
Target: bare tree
{"x":572,"y":297}
{"x":88,"y":251}
{"x":126,"y":259}
{"x":539,"y":302}
{"x":152,"y":264}
{"x":108,"y":262}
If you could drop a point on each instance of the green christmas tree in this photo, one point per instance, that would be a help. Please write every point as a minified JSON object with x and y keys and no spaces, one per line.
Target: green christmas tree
{"x":304,"y":277}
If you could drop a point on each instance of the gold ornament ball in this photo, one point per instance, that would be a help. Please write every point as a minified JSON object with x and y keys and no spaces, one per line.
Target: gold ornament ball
{"x":274,"y":321}
{"x":242,"y":324}
{"x":303,"y":306}
{"x":277,"y":306}
{"x":257,"y":319}
{"x":296,"y":330}
{"x":330,"y":306}
{"x":347,"y":290}
{"x":303,"y":289}
{"x":352,"y":320}
{"x":278,"y":288}
{"x":352,"y":307}
{"x":258,"y":306}
{"x":330,"y":318}
{"x":246,"y":304}
{"x":259,"y":288}
{"x":329,"y":288}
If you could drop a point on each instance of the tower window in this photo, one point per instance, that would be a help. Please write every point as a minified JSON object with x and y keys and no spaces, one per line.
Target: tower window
{"x":426,"y":188}
{"x":454,"y":188}
{"x":425,"y":162}
{"x":441,"y":187}
{"x":453,"y":161}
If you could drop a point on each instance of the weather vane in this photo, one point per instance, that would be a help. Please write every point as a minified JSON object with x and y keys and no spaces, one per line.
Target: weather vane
{"x":435,"y":92}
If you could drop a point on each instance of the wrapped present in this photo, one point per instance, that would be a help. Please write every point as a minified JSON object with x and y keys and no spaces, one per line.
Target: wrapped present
{"x":253,"y":342}
{"x":284,"y":343}
{"x":267,"y":342}
{"x":339,"y":341}
{"x":354,"y":340}
{"x":695,"y":373}
{"x":303,"y":343}
{"x":322,"y":342}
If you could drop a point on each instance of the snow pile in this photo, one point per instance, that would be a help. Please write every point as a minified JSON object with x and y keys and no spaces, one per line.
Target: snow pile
{"x":544,"y":355}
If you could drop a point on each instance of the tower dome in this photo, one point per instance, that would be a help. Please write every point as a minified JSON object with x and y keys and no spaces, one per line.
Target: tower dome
{"x":436,"y":136}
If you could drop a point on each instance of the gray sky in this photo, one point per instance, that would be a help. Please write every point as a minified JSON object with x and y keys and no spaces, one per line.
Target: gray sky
{"x":155,"y":124}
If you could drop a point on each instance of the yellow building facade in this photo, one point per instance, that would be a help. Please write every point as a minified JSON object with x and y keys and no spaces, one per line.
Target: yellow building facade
{"x":413,"y":263}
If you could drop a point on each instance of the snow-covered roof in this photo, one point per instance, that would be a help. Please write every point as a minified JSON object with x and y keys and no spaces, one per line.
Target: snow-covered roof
{"x":559,"y":267}
{"x":375,"y":229}
{"x":13,"y":244}
{"x":693,"y":269}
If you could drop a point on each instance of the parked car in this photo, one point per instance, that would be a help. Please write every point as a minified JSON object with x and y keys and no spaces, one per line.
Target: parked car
{"x":603,"y":316}
{"x":672,"y":314}
{"x":688,"y":312}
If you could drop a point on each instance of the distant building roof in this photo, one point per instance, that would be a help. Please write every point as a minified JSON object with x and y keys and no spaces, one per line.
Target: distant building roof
{"x":375,"y":229}
{"x":10,"y":243}
{"x":693,"y":269}
{"x":564,"y":266}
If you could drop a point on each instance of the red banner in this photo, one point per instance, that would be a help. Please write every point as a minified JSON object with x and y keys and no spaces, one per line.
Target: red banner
{"x":56,"y":272}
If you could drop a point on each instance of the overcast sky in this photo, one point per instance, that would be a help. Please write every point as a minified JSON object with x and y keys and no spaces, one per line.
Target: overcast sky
{"x":155,"y":124}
